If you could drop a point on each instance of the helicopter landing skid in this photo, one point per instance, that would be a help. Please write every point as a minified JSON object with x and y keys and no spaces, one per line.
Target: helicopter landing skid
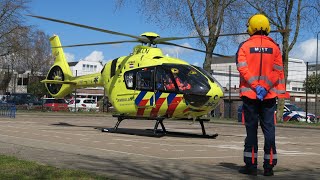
{"x":204,"y":134}
{"x":157,"y":131}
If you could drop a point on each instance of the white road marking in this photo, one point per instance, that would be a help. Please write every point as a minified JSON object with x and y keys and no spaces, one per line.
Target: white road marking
{"x":200,"y":150}
{"x":51,"y":131}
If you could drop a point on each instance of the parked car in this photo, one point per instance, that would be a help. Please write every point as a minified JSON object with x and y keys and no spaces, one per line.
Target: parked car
{"x":23,"y":99}
{"x":85,"y":104}
{"x":53,"y":104}
{"x":290,"y":113}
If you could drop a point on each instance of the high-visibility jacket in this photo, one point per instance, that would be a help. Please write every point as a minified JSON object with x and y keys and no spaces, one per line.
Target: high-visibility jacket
{"x":259,"y":62}
{"x":182,"y":86}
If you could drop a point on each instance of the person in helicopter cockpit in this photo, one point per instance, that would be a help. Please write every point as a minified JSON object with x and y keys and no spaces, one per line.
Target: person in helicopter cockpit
{"x":168,"y":84}
{"x":181,"y":85}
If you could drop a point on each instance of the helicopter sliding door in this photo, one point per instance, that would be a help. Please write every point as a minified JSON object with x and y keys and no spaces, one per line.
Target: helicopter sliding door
{"x":144,"y":87}
{"x":164,"y":81}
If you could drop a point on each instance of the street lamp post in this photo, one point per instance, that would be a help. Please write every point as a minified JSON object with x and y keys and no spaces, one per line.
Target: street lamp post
{"x":316,"y":110}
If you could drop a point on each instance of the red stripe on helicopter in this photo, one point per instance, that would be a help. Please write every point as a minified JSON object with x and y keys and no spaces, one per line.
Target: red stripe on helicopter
{"x":173,"y":105}
{"x":193,"y":110}
{"x":143,"y":102}
{"x":186,"y":110}
{"x":154,"y":111}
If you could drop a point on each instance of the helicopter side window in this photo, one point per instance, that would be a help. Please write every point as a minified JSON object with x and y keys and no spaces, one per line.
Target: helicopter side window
{"x":130,"y":79}
{"x":145,"y":80}
{"x":164,"y":80}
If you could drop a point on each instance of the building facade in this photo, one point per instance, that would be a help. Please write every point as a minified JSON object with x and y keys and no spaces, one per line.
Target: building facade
{"x":224,"y":70}
{"x":226,"y":73}
{"x":81,"y":68}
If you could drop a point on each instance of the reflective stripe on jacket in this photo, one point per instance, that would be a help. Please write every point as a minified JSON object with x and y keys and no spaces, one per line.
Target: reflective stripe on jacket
{"x":259,"y":62}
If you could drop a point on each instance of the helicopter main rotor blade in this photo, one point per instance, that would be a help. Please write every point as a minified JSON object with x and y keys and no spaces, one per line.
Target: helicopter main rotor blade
{"x":142,"y":39}
{"x":95,"y":44}
{"x":245,"y":33}
{"x":173,"y":44}
{"x":160,"y":40}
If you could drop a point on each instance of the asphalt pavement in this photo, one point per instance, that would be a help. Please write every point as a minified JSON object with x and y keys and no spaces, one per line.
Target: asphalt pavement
{"x":71,"y":140}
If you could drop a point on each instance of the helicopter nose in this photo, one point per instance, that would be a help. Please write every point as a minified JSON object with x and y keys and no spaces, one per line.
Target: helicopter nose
{"x":196,"y":100}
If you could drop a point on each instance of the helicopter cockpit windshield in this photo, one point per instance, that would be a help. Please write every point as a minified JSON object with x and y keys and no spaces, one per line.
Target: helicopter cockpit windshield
{"x":168,"y":78}
{"x":184,"y":78}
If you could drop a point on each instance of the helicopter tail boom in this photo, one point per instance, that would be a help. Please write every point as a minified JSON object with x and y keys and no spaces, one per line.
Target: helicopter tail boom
{"x":59,"y":81}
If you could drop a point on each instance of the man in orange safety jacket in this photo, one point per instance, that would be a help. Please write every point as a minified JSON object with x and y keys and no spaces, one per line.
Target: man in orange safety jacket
{"x":260,"y":65}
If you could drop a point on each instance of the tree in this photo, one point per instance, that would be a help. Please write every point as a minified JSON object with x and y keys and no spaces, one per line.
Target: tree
{"x":36,"y":87}
{"x":287,"y":14}
{"x":201,"y":17}
{"x":36,"y":58}
{"x":34,"y":55}
{"x":11,"y":24}
{"x":22,"y":48}
{"x":312,"y":81}
{"x":37,"y":55}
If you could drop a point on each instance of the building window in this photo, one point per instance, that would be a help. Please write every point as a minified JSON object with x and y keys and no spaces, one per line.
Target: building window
{"x":23,"y":81}
{"x":83,"y":67}
{"x":19,"y":81}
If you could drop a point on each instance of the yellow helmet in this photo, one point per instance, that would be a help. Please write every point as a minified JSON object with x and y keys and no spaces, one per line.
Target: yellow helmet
{"x":258,"y":22}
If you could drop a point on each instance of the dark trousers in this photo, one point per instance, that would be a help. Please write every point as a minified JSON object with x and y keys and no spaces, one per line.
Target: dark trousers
{"x":255,"y":110}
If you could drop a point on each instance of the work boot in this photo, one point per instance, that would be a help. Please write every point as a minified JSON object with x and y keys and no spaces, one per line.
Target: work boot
{"x":268,"y":172}
{"x":248,"y":170}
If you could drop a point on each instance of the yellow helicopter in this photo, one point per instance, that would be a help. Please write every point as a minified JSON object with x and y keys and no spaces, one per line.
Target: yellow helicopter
{"x":143,"y":85}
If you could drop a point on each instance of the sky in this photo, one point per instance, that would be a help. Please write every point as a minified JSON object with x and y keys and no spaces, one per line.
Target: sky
{"x":103,"y":14}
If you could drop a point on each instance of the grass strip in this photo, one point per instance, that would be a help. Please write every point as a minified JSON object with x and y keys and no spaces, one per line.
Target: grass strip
{"x":13,"y":168}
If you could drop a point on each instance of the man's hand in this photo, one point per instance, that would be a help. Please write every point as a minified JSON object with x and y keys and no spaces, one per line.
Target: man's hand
{"x":261,"y":92}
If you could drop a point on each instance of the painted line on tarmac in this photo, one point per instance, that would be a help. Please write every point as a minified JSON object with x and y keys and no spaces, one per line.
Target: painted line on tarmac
{"x":22,"y":122}
{"x":226,"y":146}
{"x":112,"y":151}
{"x":53,"y":130}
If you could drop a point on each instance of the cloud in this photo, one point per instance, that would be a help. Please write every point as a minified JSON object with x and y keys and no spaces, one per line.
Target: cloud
{"x":305,"y":50}
{"x":69,"y":57}
{"x":96,"y":56}
{"x":174,"y":51}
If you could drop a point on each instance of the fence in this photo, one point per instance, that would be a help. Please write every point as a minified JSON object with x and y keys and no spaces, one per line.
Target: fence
{"x":8,"y":110}
{"x":301,"y":76}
